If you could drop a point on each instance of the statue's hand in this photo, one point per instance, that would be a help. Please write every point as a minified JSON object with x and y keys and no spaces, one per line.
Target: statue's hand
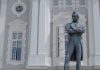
{"x":73,"y":26}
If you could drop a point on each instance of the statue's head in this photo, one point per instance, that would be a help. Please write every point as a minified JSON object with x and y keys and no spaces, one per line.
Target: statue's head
{"x":75,"y":16}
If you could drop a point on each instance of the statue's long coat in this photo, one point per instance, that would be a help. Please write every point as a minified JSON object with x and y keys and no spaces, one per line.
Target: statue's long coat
{"x":81,"y":30}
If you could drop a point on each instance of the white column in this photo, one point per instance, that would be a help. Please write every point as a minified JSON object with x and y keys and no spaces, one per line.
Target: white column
{"x":42,"y":41}
{"x":47,"y":33}
{"x":41,"y":44}
{"x":91,"y":52}
{"x":96,"y":15}
{"x":3,"y":6}
{"x":32,"y":55}
{"x":44,"y":33}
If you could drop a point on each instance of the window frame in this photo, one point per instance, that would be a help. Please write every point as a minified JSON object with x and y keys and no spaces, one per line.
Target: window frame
{"x":16,"y":46}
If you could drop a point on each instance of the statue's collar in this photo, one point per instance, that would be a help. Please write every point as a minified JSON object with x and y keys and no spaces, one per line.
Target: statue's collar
{"x":75,"y":22}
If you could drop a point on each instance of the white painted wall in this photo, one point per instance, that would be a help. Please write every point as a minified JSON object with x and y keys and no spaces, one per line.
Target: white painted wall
{"x":9,"y":18}
{"x":2,"y":28}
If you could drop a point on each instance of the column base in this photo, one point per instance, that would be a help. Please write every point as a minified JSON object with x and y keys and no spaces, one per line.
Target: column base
{"x":38,"y":61}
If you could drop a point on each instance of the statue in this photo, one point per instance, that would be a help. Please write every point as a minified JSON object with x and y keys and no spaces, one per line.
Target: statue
{"x":75,"y":31}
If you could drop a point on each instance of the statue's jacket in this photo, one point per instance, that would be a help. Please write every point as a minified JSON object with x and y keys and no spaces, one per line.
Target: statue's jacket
{"x":74,"y":29}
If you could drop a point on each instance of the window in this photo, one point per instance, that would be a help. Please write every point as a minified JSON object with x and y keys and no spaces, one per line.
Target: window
{"x":66,"y":4}
{"x":16,"y":42}
{"x":18,"y":8}
{"x":60,"y":41}
{"x":16,"y":45}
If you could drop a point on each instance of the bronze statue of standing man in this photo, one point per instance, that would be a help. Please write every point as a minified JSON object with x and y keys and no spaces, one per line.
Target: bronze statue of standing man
{"x":75,"y":31}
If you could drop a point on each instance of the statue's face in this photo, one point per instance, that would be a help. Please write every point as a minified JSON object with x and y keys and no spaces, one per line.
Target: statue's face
{"x":75,"y":17}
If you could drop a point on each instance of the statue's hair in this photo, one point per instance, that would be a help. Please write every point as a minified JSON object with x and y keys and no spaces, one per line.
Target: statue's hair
{"x":75,"y":13}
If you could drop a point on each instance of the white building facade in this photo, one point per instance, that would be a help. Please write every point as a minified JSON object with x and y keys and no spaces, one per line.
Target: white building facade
{"x":32,"y":33}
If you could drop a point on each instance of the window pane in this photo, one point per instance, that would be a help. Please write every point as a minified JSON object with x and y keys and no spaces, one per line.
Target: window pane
{"x":14,"y":35}
{"x":19,"y":35}
{"x":18,"y":54}
{"x":14,"y":43}
{"x":82,"y":2}
{"x":55,"y":2}
{"x":69,"y":2}
{"x":14,"y":53}
{"x":19,"y":44}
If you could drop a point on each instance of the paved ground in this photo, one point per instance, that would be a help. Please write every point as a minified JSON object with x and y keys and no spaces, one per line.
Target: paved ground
{"x":61,"y":68}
